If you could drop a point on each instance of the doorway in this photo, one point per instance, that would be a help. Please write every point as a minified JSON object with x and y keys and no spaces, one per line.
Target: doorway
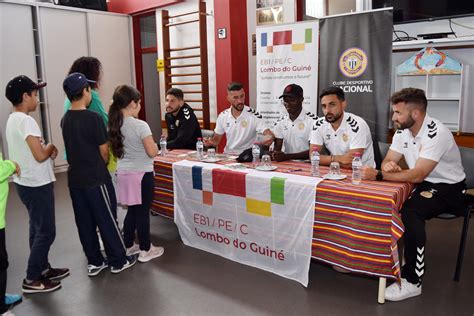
{"x":145,"y":42}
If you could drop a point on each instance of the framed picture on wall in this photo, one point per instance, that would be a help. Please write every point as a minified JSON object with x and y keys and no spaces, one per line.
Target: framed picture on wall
{"x":271,"y":15}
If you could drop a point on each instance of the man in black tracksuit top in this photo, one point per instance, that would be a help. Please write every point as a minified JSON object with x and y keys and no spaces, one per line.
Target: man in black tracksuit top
{"x":183,"y":126}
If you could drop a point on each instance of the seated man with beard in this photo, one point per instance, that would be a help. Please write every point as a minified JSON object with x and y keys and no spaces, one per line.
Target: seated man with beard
{"x":342,"y":133}
{"x":239,"y":122}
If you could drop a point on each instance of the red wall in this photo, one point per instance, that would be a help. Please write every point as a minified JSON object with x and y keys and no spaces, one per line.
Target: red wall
{"x":231,"y":52}
{"x":136,"y":6}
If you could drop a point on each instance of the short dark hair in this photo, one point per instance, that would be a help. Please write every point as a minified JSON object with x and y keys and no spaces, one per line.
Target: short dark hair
{"x":91,"y":67}
{"x":77,"y":96}
{"x":235,"y":86}
{"x":19,"y":99}
{"x":178,"y":93}
{"x":410,"y":95}
{"x":333,"y":90}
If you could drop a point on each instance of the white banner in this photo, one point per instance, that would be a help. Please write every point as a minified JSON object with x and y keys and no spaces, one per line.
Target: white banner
{"x":286,"y":53}
{"x":261,"y":219}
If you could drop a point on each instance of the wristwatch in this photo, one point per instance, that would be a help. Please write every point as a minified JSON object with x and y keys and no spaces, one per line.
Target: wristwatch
{"x":379,"y":176}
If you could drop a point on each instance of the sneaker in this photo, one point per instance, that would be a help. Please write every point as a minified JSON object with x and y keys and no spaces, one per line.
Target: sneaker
{"x":8,"y":313}
{"x":135,"y":249}
{"x":403,"y":291}
{"x":93,"y":270}
{"x":12,"y":300}
{"x":56,"y":273}
{"x":131,"y":260}
{"x":153,"y":252}
{"x":40,"y":286}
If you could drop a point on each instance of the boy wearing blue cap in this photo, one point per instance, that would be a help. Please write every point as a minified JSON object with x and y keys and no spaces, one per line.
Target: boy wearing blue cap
{"x":35,"y":185}
{"x":90,"y":185}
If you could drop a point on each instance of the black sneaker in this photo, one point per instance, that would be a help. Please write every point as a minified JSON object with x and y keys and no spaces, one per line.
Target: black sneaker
{"x":93,"y":270}
{"x":56,"y":273}
{"x":40,"y":286}
{"x":131,"y":260}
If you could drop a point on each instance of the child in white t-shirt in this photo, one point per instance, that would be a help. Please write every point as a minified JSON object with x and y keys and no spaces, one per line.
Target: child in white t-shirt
{"x":35,"y":185}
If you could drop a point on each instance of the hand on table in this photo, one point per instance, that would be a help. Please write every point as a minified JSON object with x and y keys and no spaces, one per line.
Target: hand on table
{"x":278,"y":156}
{"x":368,"y":173}
{"x":208,"y":142}
{"x":391,"y":167}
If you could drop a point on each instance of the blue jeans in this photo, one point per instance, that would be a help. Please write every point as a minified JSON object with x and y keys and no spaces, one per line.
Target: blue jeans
{"x":40,"y":204}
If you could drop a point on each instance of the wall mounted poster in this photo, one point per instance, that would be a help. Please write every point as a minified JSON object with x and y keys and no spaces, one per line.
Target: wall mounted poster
{"x":356,"y":55}
{"x":286,"y":54}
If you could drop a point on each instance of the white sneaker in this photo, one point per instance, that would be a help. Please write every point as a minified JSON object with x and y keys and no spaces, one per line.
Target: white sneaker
{"x":403,"y":291}
{"x":133,"y":250}
{"x":8,"y":313}
{"x":153,"y":252}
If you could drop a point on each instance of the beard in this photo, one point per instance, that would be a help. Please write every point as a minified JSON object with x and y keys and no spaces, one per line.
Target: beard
{"x":239,"y":107}
{"x":331,"y":118}
{"x":409,"y":123}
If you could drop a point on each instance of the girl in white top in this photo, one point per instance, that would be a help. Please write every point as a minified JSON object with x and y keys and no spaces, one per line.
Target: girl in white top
{"x":132,"y":143}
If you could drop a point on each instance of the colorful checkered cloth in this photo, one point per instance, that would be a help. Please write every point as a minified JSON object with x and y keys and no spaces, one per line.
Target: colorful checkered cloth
{"x":356,"y":227}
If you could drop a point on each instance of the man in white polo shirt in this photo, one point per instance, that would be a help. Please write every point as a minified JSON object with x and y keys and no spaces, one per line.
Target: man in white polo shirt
{"x":435,"y":167}
{"x":293,"y":129}
{"x":239,"y":122}
{"x":342,"y":133}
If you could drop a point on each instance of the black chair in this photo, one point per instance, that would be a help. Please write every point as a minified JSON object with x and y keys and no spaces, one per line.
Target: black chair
{"x":383,"y":149}
{"x":207,"y":133}
{"x":467,"y":156}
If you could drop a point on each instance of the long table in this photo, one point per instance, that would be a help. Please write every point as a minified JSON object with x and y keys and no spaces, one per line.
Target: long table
{"x":356,"y":227}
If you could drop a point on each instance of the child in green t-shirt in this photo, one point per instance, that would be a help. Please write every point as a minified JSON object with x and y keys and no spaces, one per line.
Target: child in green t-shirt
{"x":7,"y":168}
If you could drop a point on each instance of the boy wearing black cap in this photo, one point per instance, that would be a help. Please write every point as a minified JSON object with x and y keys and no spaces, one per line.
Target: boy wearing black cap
{"x":293,"y":129}
{"x":35,"y":185}
{"x":90,"y":185}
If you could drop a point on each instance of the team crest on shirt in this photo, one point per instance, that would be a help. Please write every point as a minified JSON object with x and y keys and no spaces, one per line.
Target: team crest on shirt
{"x":405,"y":145}
{"x":244,"y":124}
{"x":227,"y":124}
{"x":176,"y":123}
{"x":328,"y":136}
{"x":301,"y":126}
{"x":428,"y":194}
{"x":345,"y":137}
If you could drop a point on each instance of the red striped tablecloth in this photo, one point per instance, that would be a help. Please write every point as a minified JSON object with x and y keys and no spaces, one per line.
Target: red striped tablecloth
{"x":355,"y":226}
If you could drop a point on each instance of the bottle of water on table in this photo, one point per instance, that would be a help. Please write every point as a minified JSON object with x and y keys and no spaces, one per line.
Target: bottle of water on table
{"x":315,"y":163}
{"x":255,"y":154}
{"x":163,"y":145}
{"x":356,"y":169}
{"x":200,"y":149}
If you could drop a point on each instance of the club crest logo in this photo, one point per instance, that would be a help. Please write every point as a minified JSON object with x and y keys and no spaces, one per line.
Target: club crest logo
{"x":244,"y":124}
{"x":353,"y":62}
{"x":301,"y":126}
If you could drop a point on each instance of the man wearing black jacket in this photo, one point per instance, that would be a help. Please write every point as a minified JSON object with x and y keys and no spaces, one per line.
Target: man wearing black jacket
{"x":183,"y":126}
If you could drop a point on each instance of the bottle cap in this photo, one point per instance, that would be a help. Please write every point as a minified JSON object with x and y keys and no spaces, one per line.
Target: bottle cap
{"x":199,"y":138}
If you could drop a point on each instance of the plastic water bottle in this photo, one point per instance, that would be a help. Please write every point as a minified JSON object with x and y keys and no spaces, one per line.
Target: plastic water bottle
{"x":199,"y":149}
{"x":356,"y":169}
{"x":163,"y":145}
{"x":315,"y":163}
{"x":255,"y":154}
